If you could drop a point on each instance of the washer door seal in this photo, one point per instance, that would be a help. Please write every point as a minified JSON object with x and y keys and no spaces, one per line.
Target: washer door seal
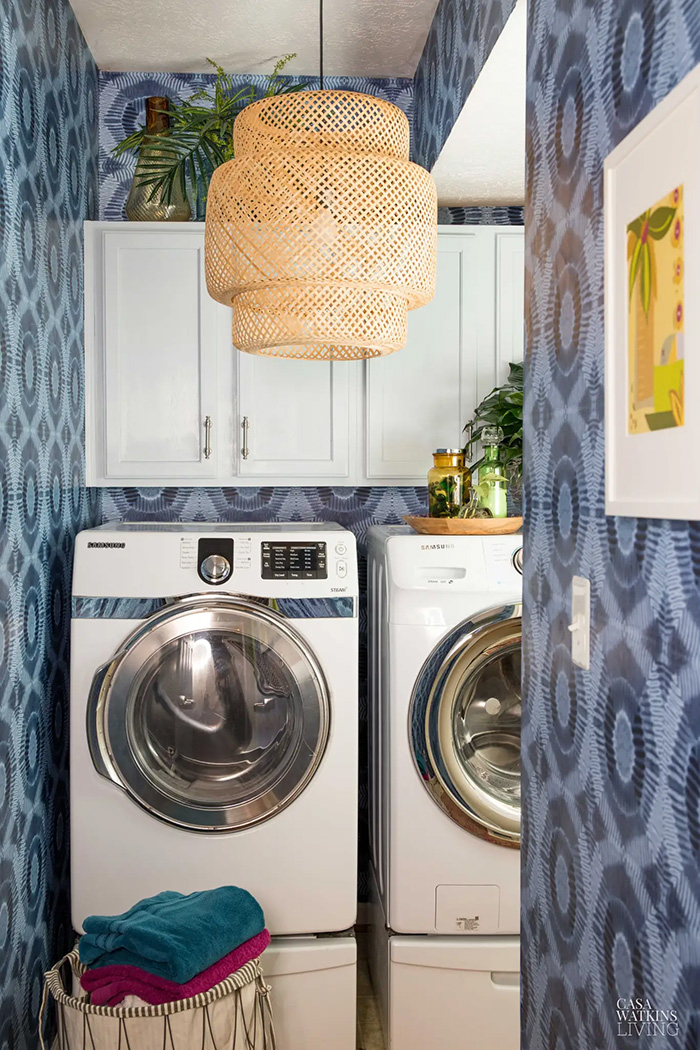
{"x":214,"y":714}
{"x":464,"y":724}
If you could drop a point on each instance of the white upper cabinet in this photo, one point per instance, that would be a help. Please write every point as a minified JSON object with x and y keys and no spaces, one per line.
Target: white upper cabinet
{"x":416,"y":398}
{"x":151,"y":338}
{"x":293,"y":418}
{"x":510,"y":300}
{"x":170,"y":401}
{"x":458,"y":348}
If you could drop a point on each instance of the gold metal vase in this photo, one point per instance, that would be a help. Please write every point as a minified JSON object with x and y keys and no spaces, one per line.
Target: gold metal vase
{"x":139,"y":208}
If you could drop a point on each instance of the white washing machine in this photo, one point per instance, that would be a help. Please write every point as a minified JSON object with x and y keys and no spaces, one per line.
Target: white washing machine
{"x":214,"y":736}
{"x":445,"y":695}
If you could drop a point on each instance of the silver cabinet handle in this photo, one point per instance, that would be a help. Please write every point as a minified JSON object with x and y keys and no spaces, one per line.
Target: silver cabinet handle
{"x":244,"y":427}
{"x":207,"y":437}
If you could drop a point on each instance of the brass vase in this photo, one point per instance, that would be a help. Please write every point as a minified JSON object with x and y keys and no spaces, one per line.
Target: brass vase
{"x":138,"y":206}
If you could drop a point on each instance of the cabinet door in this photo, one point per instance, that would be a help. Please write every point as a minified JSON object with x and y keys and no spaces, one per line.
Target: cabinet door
{"x":159,"y":358}
{"x":416,"y":399}
{"x":510,"y":300}
{"x":296,"y":416}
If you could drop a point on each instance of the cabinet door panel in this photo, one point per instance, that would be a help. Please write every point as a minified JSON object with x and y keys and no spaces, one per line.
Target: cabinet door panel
{"x":298,"y":417}
{"x":510,"y":301}
{"x":160,"y":357}
{"x":416,"y":397}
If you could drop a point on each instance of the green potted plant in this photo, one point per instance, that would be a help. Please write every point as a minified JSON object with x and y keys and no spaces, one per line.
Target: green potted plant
{"x":199,"y":136}
{"x":503,"y":408}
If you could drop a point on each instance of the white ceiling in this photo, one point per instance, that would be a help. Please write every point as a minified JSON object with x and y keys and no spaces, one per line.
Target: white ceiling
{"x":483,"y":159}
{"x":375,"y":38}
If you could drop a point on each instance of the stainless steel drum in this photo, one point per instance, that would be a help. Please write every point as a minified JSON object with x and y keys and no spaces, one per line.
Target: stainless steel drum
{"x":214,"y":714}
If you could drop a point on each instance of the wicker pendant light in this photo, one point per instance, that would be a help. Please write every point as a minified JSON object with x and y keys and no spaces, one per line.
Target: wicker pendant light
{"x":319,"y":232}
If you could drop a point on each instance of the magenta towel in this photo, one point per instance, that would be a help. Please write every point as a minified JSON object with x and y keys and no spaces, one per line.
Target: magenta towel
{"x":108,"y":985}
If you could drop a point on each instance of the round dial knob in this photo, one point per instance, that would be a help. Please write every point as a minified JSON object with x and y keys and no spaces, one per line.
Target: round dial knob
{"x":215,"y":569}
{"x":518,"y":560}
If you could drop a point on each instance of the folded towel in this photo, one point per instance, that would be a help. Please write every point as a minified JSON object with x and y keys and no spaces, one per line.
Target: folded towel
{"x":172,"y":935}
{"x":112,"y":985}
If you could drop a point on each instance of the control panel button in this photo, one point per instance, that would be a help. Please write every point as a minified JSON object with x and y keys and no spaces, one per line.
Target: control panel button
{"x":215,"y":569}
{"x":215,"y":559}
{"x":342,"y":569}
{"x":340,"y":548}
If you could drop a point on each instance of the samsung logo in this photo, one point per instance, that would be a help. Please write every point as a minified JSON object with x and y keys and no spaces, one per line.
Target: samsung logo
{"x":118,"y":546}
{"x":437,"y":546}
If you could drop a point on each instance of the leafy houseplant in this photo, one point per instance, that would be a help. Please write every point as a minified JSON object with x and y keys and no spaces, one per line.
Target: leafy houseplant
{"x":503,"y":408}
{"x":200,"y":136}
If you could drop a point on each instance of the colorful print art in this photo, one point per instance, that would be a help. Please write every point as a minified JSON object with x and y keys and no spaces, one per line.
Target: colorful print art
{"x":655,"y":316}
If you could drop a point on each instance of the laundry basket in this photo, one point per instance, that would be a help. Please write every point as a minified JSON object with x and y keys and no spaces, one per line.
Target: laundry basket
{"x":233,"y":1015}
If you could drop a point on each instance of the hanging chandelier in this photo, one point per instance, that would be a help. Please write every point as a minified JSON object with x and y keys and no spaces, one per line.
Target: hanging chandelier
{"x":320,"y":233}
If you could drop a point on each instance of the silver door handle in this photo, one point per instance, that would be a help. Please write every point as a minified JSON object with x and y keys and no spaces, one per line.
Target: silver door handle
{"x":207,"y":437}
{"x":244,"y":427}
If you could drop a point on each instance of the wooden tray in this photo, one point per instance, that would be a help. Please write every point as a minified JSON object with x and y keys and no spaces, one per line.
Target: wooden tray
{"x":464,"y":526}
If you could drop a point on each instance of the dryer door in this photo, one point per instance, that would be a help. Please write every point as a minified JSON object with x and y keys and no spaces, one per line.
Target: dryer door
{"x":213,"y":716}
{"x":465,"y":724}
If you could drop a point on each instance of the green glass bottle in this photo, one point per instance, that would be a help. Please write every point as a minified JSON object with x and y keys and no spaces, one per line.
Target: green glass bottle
{"x":492,"y":480}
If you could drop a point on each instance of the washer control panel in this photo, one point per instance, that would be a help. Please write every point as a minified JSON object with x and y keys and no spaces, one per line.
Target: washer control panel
{"x":215,"y":559}
{"x":293,"y":561}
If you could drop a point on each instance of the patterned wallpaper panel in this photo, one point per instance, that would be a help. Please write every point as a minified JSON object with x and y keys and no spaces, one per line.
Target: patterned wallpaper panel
{"x":122,"y":110}
{"x":611,"y":757}
{"x":459,"y":42}
{"x":48,"y":185}
{"x":488,"y":215}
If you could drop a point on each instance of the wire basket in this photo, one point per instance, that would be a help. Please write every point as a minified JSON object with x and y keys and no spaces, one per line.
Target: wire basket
{"x":233,"y":1015}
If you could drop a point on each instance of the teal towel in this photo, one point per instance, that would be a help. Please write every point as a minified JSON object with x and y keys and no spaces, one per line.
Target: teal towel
{"x":172,"y":935}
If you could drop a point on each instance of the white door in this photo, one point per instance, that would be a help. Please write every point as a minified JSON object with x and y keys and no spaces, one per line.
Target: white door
{"x":293,"y":418}
{"x":417,"y":399}
{"x":159,"y":358}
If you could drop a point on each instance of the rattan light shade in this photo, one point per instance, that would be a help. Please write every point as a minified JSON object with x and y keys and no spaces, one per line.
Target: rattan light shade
{"x":320,"y":232}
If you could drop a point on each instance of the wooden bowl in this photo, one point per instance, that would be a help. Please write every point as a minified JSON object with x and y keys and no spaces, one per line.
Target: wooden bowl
{"x":464,"y":526}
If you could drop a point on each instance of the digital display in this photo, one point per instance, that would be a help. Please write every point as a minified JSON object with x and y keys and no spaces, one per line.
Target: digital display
{"x":294,"y":561}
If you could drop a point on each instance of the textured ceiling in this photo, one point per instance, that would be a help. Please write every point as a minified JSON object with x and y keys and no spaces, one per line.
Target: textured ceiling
{"x":374,"y":38}
{"x":483,"y":159}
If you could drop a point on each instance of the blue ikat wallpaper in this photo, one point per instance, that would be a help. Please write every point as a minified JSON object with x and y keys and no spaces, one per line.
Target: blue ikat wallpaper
{"x":48,"y":185}
{"x":459,"y":42}
{"x":488,"y":215}
{"x":611,"y":757}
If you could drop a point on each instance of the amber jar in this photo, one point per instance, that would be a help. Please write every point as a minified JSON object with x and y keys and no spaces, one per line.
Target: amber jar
{"x":449,"y":481}
{"x":139,"y":206}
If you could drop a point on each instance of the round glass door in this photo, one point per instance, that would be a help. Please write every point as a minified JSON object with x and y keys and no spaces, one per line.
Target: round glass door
{"x":214,"y":715}
{"x":465,"y":724}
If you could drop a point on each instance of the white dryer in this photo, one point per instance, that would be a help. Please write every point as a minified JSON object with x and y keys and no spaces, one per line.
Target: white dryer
{"x":444,"y":659}
{"x":214,"y":729}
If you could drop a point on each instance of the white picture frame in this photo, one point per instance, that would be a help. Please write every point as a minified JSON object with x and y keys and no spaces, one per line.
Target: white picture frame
{"x":655,"y":171}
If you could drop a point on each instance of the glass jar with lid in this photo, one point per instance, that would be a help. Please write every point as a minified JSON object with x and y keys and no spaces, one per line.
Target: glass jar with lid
{"x":449,"y":481}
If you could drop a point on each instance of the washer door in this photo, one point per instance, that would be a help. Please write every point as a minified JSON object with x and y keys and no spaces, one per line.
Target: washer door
{"x":213,"y":716}
{"x":465,"y":724}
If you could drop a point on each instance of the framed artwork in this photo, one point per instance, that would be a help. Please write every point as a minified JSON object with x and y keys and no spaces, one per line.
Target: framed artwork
{"x":652,"y":313}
